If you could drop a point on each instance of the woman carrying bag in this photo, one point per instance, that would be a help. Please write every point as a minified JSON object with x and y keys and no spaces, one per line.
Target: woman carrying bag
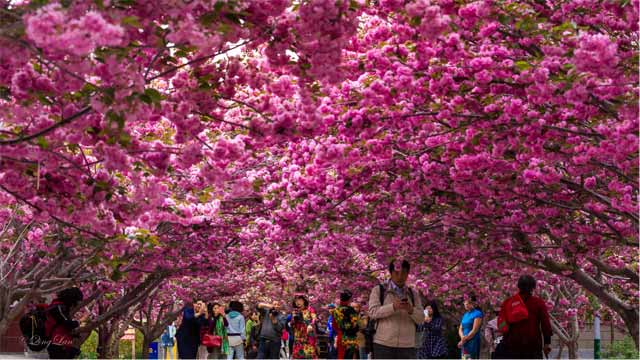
{"x":216,"y":339}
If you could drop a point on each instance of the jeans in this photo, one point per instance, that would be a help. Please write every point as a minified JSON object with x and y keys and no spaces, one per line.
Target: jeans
{"x":237,"y":351}
{"x":363,"y":353}
{"x":215,"y":354}
{"x":386,"y":352}
{"x":269,"y":349}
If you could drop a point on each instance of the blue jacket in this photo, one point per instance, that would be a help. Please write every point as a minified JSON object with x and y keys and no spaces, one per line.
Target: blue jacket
{"x":236,"y":324}
{"x":330,"y":327}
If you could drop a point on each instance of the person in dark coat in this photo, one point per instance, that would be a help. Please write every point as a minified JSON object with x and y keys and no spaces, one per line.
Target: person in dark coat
{"x":60,"y":324}
{"x":188,"y":334}
{"x":524,"y":339}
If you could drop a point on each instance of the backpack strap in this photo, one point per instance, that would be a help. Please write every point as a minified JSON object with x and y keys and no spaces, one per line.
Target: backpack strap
{"x":382,"y":295}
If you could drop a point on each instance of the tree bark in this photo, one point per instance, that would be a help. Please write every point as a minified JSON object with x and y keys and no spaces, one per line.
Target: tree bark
{"x":572,"y":348}
{"x":613,"y":331}
{"x":146,"y":341}
{"x":132,"y":299}
{"x":628,"y":313}
{"x":104,"y":342}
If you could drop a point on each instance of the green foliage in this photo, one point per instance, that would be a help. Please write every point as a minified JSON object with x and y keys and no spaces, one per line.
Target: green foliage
{"x":125,"y":347}
{"x":622,"y":349}
{"x":88,"y":348}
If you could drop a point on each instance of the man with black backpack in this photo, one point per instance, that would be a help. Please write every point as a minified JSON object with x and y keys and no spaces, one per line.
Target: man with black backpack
{"x":394,"y":312}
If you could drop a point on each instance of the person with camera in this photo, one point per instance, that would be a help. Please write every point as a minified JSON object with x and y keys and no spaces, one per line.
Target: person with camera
{"x":434,"y":345}
{"x":273,"y":322}
{"x":303,"y":318}
{"x":216,"y":326}
{"x":396,"y":311}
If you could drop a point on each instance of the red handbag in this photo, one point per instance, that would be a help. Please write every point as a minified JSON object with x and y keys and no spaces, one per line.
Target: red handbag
{"x":210,"y":340}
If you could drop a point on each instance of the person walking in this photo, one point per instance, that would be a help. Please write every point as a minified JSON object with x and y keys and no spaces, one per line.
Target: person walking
{"x":396,"y":311}
{"x":531,"y":337}
{"x":168,"y":342}
{"x":60,"y":325}
{"x":236,"y":331}
{"x":434,"y":346}
{"x":469,"y":329}
{"x":345,"y":319}
{"x":271,"y":326}
{"x":303,"y":318}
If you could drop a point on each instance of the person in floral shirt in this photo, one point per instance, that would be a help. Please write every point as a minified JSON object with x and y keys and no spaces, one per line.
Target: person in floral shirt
{"x":303,"y":319}
{"x":346,"y":319}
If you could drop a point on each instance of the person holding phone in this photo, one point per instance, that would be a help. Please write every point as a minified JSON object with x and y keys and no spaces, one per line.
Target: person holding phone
{"x":188,"y":334}
{"x":396,"y":309}
{"x":433,"y":346}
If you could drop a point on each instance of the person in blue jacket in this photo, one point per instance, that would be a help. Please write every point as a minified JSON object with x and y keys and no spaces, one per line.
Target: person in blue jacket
{"x":188,"y":334}
{"x":332,"y":352}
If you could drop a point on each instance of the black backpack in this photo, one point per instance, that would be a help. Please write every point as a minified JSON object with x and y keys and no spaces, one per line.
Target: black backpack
{"x":372,"y":325}
{"x":32,"y":326}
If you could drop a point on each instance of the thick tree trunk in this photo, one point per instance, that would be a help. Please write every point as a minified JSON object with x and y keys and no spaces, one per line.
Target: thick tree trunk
{"x":572,"y":348}
{"x":628,"y":313}
{"x":104,"y":343}
{"x":560,"y":349}
{"x":115,"y":348}
{"x":146,"y":341}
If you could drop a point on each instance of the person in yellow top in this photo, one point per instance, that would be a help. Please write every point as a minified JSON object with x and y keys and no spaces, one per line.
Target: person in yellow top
{"x":346,"y":322}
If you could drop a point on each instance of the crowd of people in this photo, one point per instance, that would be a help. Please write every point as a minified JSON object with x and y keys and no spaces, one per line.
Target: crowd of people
{"x":393,"y":325}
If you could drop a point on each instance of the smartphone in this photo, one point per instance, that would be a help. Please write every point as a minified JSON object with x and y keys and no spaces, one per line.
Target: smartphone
{"x":426,"y":312}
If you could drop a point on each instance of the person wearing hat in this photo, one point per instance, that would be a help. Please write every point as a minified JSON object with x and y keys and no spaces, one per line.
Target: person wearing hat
{"x":396,"y":310}
{"x":345,"y":321}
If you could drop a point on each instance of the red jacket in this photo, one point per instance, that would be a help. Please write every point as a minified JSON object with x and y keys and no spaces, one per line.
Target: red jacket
{"x":59,"y":324}
{"x":526,"y":336}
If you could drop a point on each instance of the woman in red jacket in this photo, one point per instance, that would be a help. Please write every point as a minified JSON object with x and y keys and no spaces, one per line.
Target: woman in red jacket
{"x":525,"y":338}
